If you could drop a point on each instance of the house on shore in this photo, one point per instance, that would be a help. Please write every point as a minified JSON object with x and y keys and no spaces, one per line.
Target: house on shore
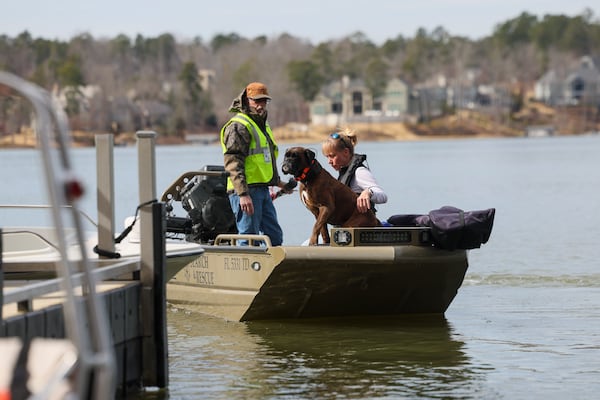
{"x":350,"y":100}
{"x":578,"y":85}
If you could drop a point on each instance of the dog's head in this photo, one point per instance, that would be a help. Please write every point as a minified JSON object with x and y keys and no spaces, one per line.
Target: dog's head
{"x":296,"y":159}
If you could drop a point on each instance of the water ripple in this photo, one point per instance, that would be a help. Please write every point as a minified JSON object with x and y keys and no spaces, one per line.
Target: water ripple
{"x":525,"y":280}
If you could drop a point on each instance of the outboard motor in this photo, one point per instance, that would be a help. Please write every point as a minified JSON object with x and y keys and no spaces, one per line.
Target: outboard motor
{"x":205,"y":200}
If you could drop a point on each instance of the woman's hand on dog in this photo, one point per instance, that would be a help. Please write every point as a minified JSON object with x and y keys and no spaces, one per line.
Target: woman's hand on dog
{"x":363,"y":202}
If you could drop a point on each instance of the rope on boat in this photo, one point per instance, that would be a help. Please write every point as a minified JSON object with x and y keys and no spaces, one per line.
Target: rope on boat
{"x":123,"y":235}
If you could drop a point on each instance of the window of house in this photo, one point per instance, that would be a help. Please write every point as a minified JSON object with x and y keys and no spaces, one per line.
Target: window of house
{"x":577,"y":88}
{"x":357,"y":106}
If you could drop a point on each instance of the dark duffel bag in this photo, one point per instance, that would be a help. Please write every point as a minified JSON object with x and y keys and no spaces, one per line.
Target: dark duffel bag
{"x":451,"y":227}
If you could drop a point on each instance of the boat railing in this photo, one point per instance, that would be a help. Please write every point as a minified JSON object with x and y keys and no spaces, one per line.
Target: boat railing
{"x":96,"y":360}
{"x":235,"y":239}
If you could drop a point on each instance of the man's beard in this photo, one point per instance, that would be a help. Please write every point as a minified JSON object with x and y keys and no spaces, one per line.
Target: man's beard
{"x":261,"y":114}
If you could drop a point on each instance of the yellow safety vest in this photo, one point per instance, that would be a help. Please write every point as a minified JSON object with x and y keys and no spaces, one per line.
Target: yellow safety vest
{"x":259,"y":162}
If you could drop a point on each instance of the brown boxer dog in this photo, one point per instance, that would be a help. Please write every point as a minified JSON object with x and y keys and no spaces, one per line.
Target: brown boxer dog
{"x":330,"y":201}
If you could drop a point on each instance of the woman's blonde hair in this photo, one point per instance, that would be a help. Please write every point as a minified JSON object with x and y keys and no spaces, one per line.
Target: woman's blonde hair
{"x":341,"y":139}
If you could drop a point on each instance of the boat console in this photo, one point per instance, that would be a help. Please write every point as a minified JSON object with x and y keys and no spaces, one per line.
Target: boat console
{"x":381,"y":236}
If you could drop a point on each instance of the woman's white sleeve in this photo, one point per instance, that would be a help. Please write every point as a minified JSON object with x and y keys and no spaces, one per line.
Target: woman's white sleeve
{"x":366,"y":180}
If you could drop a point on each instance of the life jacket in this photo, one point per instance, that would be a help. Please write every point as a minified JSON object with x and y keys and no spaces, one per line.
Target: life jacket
{"x":347,"y":173}
{"x":260,"y":162}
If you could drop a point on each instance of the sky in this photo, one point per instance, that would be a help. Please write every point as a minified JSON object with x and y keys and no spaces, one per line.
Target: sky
{"x":313,"y":20}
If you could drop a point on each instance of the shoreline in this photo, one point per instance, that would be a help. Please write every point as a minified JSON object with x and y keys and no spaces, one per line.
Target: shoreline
{"x":284,"y":135}
{"x":19,"y":142}
{"x":452,"y":127}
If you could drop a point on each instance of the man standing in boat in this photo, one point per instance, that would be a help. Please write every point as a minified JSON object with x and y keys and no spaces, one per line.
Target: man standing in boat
{"x":250,"y":157}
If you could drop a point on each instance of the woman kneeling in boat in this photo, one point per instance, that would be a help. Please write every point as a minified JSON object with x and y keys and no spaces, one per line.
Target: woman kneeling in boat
{"x":353,"y":170}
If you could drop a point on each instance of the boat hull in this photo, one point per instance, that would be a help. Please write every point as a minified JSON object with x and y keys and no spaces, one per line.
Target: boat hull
{"x":245,"y":283}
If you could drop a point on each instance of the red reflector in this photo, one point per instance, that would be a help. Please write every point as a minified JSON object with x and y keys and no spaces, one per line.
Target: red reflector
{"x":73,"y":190}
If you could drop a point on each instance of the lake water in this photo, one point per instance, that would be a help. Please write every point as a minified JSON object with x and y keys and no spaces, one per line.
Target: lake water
{"x":525,"y":324}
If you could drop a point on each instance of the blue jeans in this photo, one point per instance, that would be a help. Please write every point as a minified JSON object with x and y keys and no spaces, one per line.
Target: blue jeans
{"x":264,"y":219}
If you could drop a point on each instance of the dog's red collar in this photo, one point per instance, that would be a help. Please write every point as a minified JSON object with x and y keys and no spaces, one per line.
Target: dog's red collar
{"x":309,"y":171}
{"x":305,"y":172}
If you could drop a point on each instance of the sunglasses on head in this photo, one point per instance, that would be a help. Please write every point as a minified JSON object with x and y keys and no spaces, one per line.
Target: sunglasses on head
{"x":336,"y":135}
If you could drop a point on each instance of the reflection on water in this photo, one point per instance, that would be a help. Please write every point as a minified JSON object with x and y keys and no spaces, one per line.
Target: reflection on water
{"x":353,"y":358}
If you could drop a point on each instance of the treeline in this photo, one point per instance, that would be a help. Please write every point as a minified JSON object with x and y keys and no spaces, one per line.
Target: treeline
{"x":154,"y":82}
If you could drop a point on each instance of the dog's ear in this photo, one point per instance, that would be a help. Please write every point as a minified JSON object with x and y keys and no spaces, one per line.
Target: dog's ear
{"x":309,"y":154}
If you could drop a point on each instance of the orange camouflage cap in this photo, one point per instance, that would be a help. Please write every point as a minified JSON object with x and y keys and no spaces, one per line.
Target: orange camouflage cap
{"x":257,"y":90}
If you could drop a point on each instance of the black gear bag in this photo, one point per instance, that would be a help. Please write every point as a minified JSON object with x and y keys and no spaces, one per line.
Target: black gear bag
{"x":451,"y":227}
